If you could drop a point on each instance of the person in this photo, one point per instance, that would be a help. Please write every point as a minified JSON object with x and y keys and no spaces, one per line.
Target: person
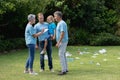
{"x":38,"y":27}
{"x":62,"y":41}
{"x":51,"y":31}
{"x":30,"y":38}
{"x":51,"y":27}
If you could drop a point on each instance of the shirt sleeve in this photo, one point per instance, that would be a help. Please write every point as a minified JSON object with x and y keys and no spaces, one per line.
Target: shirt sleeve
{"x":32,"y":31}
{"x":62,"y":28}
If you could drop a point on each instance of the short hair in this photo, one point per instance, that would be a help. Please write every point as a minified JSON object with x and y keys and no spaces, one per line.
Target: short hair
{"x":39,"y":14}
{"x":31,"y":16}
{"x":51,"y":18}
{"x":59,"y":13}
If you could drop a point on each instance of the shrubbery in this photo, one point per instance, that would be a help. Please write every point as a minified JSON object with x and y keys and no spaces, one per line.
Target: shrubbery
{"x":104,"y":39}
{"x":11,"y":44}
{"x":78,"y":37}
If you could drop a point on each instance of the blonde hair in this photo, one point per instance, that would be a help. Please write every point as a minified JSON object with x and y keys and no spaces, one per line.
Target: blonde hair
{"x":51,"y":18}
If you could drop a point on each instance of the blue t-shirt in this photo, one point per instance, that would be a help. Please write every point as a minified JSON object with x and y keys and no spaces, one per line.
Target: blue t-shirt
{"x":62,"y":26}
{"x":29,"y":32}
{"x":38,"y":27}
{"x":51,"y":28}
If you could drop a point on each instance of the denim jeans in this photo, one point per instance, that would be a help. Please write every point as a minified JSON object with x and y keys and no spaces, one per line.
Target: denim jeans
{"x":49,"y":54}
{"x":30,"y":60}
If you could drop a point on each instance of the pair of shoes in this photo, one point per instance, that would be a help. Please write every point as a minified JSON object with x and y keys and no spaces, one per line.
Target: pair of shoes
{"x":42,"y":52}
{"x":62,"y":73}
{"x":52,"y":70}
{"x":41,"y":70}
{"x":33,"y":73}
{"x":26,"y":71}
{"x":65,"y":71}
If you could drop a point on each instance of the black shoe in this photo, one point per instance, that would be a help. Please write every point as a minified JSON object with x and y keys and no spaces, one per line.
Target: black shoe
{"x":66,"y":71}
{"x":62,"y":73}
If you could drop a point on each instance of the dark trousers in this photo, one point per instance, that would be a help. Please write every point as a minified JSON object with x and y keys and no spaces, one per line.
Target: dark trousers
{"x":49,"y":54}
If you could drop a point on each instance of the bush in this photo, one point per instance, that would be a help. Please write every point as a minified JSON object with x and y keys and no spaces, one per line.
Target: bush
{"x":11,"y":44}
{"x":103,"y":39}
{"x":78,"y":36}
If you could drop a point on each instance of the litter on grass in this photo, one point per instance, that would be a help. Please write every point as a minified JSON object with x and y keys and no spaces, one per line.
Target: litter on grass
{"x":68,"y":54}
{"x":102,"y":51}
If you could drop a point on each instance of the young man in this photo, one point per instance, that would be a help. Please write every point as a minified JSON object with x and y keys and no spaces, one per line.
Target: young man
{"x":62,"y":40}
{"x":30,"y":38}
{"x":38,"y":27}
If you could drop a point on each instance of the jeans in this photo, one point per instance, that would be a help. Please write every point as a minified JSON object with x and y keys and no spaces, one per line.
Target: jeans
{"x":62,"y":56}
{"x":30,"y":60}
{"x":49,"y":53}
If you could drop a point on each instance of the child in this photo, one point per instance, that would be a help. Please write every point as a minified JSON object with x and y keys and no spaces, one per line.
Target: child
{"x":51,"y":31}
{"x":51,"y":27}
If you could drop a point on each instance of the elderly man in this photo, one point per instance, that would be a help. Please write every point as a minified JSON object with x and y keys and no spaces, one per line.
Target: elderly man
{"x":62,"y":41}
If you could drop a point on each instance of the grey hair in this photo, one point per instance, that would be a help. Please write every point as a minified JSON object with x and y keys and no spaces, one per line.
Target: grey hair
{"x":31,"y":16}
{"x":59,"y":13}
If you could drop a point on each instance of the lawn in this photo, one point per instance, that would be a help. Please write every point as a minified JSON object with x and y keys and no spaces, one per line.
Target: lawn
{"x":90,"y":64}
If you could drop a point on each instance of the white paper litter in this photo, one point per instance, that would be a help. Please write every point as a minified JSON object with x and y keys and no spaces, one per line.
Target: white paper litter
{"x":98,"y":64}
{"x":45,"y":57}
{"x":77,"y":58}
{"x":68,"y":54}
{"x":102,"y":51}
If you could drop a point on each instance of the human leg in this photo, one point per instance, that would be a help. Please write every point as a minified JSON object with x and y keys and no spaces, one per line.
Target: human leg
{"x":41,"y":46}
{"x":62,"y":56}
{"x":49,"y":54}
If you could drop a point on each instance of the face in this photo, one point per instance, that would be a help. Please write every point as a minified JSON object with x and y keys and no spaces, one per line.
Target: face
{"x":41,"y":18}
{"x":56,"y":17}
{"x":49,"y":20}
{"x":33,"y":21}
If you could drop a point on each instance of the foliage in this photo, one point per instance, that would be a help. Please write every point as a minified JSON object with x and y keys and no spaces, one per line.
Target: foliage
{"x":103,"y":39}
{"x":92,"y":15}
{"x":11,"y":44}
{"x":78,"y":37}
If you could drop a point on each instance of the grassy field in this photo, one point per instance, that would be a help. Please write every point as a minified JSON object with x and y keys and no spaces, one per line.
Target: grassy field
{"x":89,"y":65}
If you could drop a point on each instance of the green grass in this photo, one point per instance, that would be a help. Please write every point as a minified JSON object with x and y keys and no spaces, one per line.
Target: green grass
{"x":84,"y":68}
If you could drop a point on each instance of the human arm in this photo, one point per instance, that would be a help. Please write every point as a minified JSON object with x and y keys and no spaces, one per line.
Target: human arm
{"x":60,"y":40}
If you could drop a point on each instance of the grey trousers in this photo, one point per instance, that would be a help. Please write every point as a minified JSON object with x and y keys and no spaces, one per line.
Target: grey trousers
{"x":62,"y":56}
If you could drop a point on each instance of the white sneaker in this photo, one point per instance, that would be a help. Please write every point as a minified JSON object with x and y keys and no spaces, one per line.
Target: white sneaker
{"x":41,"y":70}
{"x":52,"y":70}
{"x":26,"y":71}
{"x":42,"y":52}
{"x":33,"y":73}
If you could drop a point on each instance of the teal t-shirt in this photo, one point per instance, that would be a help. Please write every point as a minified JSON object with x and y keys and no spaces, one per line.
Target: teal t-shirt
{"x":29,"y":31}
{"x":51,"y":28}
{"x":38,"y":27}
{"x":62,"y":26}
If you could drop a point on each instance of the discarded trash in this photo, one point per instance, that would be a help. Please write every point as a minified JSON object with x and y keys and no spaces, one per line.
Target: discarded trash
{"x":77,"y":58}
{"x":118,"y":58}
{"x":94,"y":56}
{"x":98,"y":64}
{"x":102,"y":51}
{"x":70,"y":59}
{"x":68,"y":54}
{"x":46,"y":57}
{"x":104,"y":59}
{"x":81,"y":63}
{"x":91,"y":62}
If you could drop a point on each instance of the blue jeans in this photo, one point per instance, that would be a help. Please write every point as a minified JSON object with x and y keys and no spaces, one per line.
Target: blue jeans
{"x":49,"y":53}
{"x":30,"y":60}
